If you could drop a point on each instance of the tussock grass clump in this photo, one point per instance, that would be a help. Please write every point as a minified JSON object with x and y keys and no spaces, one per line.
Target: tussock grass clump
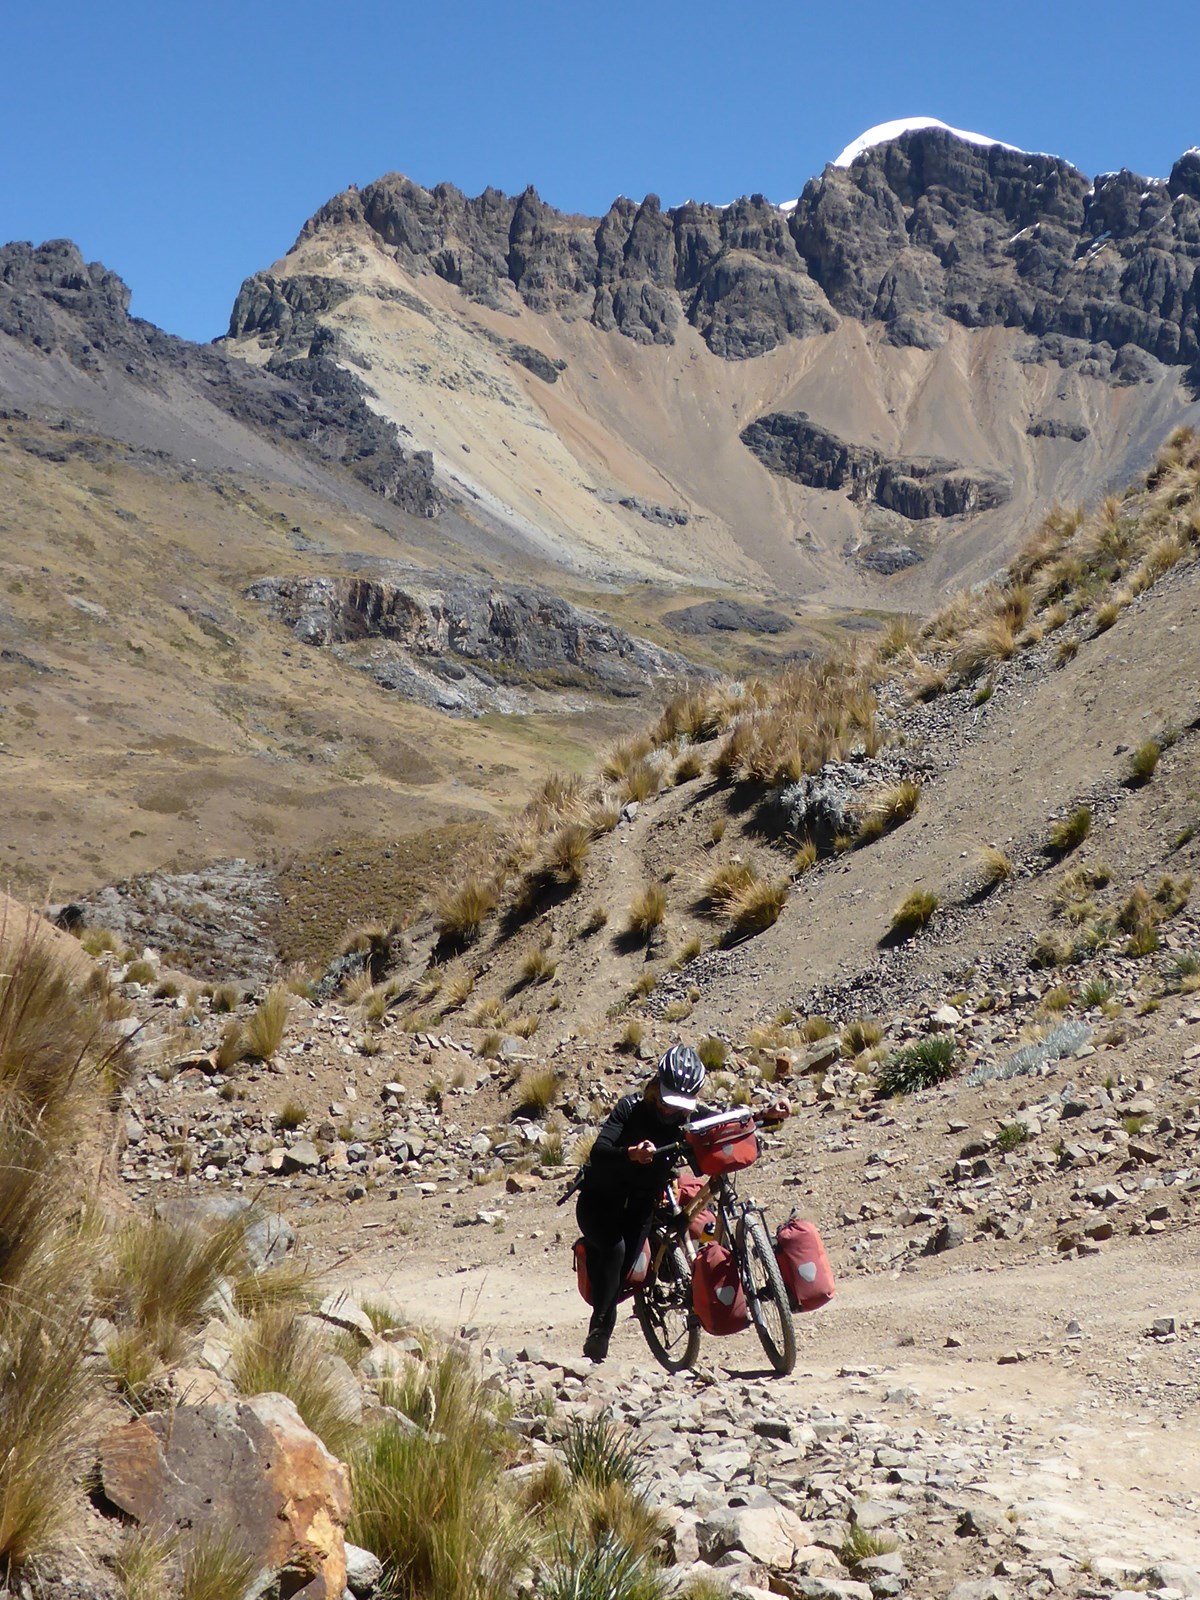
{"x":688,"y":951}
{"x":995,"y":867}
{"x":859,"y":1545}
{"x":888,"y":810}
{"x":1143,"y":763}
{"x":232,"y":1047}
{"x":460,"y":912}
{"x":46,"y":1402}
{"x":429,"y":1503}
{"x":725,"y":883}
{"x":902,"y":633}
{"x":161,"y":1277}
{"x":647,"y":912}
{"x":864,"y":1033}
{"x":374,"y":943}
{"x":1183,"y":973}
{"x":596,"y":1452}
{"x":1068,"y":833}
{"x":100,"y":942}
{"x":984,"y":645}
{"x":690,"y":765}
{"x":537,"y":1091}
{"x":622,"y":759}
{"x":1066,"y":650}
{"x":225,"y":997}
{"x":458,"y":991}
{"x":805,"y":858}
{"x":291,"y":1282}
{"x":913,"y":914}
{"x":633,"y":1034}
{"x":143,"y":1564}
{"x":566,"y":855}
{"x":713,"y":1052}
{"x":1052,"y":950}
{"x":280,"y":1352}
{"x":756,"y":906}
{"x":919,"y":1066}
{"x":291,"y":1115}
{"x":140,"y":971}
{"x":538,"y":966}
{"x":596,"y":919}
{"x":264,"y":1032}
{"x":216,"y":1566}
{"x":525,"y":1026}
{"x":640,"y":782}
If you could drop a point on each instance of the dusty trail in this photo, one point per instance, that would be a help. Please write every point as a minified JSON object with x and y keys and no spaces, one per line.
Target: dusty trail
{"x":1094,"y":1440}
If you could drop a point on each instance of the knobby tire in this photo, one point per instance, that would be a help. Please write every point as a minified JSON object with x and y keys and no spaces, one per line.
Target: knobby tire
{"x":664,"y":1310}
{"x":766,"y":1297}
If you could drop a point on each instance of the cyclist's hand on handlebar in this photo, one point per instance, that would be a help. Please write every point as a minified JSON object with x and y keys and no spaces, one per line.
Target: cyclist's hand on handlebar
{"x":642,"y":1153}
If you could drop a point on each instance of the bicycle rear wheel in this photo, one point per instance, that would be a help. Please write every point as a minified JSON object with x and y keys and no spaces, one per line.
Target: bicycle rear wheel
{"x":766,"y":1297}
{"x":663,"y":1306}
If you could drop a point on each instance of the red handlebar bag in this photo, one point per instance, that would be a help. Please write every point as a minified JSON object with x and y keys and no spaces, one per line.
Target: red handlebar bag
{"x":803,"y":1265}
{"x":704,"y":1224}
{"x":717,"y":1297}
{"x":638,"y":1272}
{"x":724,"y":1145}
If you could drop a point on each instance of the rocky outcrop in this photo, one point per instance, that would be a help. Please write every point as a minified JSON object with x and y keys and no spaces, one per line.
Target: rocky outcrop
{"x":916,"y":487}
{"x":248,"y":1471}
{"x":726,"y":616}
{"x":920,"y":229}
{"x":54,"y":303}
{"x":464,"y":646}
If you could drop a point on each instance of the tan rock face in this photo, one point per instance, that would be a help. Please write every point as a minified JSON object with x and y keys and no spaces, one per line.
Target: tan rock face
{"x":250,"y":1469}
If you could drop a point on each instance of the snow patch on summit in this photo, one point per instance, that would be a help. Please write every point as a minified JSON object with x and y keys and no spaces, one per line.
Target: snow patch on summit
{"x":884,"y":131}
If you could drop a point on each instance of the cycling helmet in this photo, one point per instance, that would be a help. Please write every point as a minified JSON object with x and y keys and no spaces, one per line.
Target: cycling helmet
{"x":680,"y":1075}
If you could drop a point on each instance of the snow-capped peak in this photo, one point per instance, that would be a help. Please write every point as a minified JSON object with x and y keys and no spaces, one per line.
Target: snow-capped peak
{"x":892,"y":130}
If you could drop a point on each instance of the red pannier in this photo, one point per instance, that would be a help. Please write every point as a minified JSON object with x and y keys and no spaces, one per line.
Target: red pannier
{"x":724,"y":1143}
{"x":638,"y":1272}
{"x":803,"y":1265}
{"x":717,"y":1297}
{"x":704,"y":1224}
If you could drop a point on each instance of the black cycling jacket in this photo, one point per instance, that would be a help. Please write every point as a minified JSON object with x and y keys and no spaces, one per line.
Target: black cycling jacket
{"x":610,"y":1174}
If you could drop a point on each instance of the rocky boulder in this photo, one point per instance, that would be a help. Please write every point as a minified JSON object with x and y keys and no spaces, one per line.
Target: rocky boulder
{"x":249,"y":1470}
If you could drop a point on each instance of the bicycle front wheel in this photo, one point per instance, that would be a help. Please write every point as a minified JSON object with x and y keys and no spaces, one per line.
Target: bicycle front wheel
{"x":663,"y":1306}
{"x":766,"y":1297}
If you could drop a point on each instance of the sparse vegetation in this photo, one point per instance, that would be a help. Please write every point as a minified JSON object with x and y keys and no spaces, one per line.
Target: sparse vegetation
{"x":864,"y":1033}
{"x":280,"y":1352}
{"x":804,"y":858}
{"x":632,"y":1036}
{"x":859,"y":1545}
{"x":913,"y":914}
{"x":1011,"y":1137}
{"x":995,"y":867}
{"x":888,"y":810}
{"x":1068,"y":833}
{"x":537,"y":1091}
{"x":1143,"y":763}
{"x":264,"y":1032}
{"x":538,"y":966}
{"x":290,"y":1116}
{"x":713,"y":1052}
{"x":647,"y":912}
{"x":460,"y":913}
{"x":919,"y":1066}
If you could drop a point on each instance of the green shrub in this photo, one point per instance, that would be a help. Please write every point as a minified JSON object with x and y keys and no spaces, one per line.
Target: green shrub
{"x":609,"y":1570}
{"x":1011,"y":1136}
{"x":919,"y":1066}
{"x":1095,"y":992}
{"x":596,"y":1452}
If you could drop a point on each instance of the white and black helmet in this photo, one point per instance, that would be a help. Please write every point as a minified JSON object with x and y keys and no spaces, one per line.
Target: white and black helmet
{"x":680,"y":1076}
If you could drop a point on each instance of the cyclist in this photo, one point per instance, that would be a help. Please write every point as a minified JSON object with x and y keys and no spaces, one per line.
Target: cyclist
{"x":624,"y":1179}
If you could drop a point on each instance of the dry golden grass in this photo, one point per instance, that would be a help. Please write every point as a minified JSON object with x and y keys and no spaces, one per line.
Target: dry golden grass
{"x":724,"y":883}
{"x":756,"y":906}
{"x":902,"y":633}
{"x":913,"y":914}
{"x":994,"y":866}
{"x":641,"y":781}
{"x":458,"y":990}
{"x":690,"y":765}
{"x":621,"y":760}
{"x":887,"y":810}
{"x":805,"y":858}
{"x":538,"y":966}
{"x":984,"y":645}
{"x":567,"y":853}
{"x":647,"y":911}
{"x":281,"y":1352}
{"x":264,"y":1032}
{"x":460,"y":913}
{"x":160,"y":1277}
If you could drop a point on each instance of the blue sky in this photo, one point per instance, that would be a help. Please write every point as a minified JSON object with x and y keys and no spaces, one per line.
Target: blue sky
{"x":184,"y":147}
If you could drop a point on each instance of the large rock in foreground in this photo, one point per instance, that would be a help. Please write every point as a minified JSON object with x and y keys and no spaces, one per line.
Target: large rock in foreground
{"x":249,"y":1470}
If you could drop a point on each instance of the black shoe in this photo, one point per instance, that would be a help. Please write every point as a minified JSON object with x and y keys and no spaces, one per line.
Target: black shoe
{"x":595,"y":1346}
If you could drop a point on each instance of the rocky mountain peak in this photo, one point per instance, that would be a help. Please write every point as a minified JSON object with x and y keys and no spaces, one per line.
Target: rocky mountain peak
{"x":927,"y":226}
